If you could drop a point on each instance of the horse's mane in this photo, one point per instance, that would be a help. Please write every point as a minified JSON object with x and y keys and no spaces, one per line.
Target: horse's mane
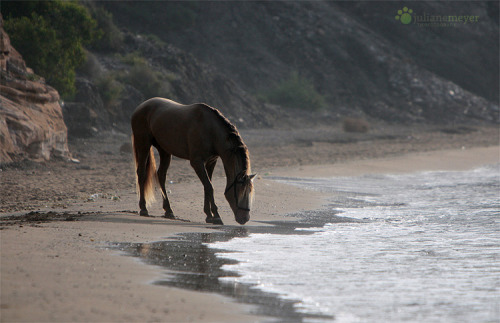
{"x":238,"y":146}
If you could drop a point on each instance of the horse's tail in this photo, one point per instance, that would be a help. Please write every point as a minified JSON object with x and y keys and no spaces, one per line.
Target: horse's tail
{"x":151,"y":175}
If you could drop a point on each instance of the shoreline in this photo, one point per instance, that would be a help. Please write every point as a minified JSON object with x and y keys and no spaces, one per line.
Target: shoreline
{"x":440,"y":160}
{"x":63,"y":270}
{"x":69,"y":267}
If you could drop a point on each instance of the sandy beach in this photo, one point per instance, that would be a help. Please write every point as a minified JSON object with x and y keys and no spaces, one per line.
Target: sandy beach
{"x":58,"y":219}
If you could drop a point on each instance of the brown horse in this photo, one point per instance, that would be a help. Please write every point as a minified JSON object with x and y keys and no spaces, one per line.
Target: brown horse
{"x":200,"y":134}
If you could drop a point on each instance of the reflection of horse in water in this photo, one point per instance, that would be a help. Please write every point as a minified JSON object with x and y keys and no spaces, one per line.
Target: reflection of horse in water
{"x":200,"y":134}
{"x":193,"y":263}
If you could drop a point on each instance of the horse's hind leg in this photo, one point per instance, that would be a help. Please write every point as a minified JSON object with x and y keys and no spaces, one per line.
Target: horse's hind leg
{"x":142,"y":150}
{"x":145,"y":169}
{"x":165,"y":159}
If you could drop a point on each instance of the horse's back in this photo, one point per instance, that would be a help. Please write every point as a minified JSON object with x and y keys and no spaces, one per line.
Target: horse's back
{"x":174,"y":126}
{"x":151,"y":106}
{"x":155,"y":110}
{"x":164,"y":110}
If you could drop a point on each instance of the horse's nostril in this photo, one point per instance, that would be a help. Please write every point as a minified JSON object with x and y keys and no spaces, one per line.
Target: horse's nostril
{"x":242,"y":216}
{"x":242,"y":221}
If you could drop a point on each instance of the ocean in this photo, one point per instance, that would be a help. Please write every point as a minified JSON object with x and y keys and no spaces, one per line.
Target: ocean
{"x":420,"y":247}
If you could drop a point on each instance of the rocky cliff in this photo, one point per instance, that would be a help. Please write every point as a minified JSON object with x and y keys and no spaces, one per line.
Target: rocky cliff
{"x":31,"y":120}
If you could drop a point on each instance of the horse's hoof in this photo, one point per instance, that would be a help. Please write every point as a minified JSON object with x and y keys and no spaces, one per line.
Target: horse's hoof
{"x":217,"y":221}
{"x":169,"y":215}
{"x":144,"y":213}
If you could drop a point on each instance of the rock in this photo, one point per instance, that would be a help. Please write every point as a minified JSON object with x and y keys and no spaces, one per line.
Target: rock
{"x":86,"y":113}
{"x":80,"y":119}
{"x":131,"y":98}
{"x":126,"y":148}
{"x":31,"y":120}
{"x":355,"y":125}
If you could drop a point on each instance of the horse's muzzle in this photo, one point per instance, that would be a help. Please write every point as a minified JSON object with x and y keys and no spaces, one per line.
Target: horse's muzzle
{"x":242,"y":216}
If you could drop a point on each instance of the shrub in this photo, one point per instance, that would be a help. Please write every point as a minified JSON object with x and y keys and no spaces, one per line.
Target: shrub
{"x":109,"y":89}
{"x":295,"y":92}
{"x":111,"y":37}
{"x":144,"y":78}
{"x":50,"y":35}
{"x":157,"y":41}
{"x":133,"y":59}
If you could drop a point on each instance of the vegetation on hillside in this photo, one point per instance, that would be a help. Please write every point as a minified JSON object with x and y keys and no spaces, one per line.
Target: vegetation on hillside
{"x":295,"y":92}
{"x":138,"y":73}
{"x":50,"y":35}
{"x":145,"y":78}
{"x":111,"y":38}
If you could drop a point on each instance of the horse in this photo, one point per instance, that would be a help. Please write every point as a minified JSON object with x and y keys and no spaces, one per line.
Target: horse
{"x":198,"y":133}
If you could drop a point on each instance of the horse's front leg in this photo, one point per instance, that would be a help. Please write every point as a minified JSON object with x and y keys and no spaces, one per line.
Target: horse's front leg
{"x":209,"y":206}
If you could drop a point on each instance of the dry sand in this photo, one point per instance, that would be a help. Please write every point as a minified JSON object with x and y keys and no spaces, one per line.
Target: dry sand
{"x":440,"y":160}
{"x":63,"y":270}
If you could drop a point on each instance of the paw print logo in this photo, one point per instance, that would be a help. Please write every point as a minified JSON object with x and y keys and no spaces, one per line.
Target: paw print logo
{"x":404,"y":15}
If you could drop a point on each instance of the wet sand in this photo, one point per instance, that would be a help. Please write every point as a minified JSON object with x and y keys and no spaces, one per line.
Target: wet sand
{"x":64,"y":268}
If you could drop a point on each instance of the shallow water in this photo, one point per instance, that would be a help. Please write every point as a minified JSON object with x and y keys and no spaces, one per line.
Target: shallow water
{"x":193,"y":265}
{"x":421,"y":247}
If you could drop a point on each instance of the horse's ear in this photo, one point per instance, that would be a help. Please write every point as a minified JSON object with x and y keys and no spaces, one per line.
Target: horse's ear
{"x":251,"y":177}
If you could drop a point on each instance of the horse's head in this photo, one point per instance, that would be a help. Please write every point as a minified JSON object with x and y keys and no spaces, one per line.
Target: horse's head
{"x":239,"y":194}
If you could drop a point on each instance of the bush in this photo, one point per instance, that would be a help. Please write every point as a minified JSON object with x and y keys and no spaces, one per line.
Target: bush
{"x":111,"y":37}
{"x":295,"y":92}
{"x":110,"y":89}
{"x":133,"y":59}
{"x":50,"y":35}
{"x":155,"y":40}
{"x":149,"y":82}
{"x":31,"y":35}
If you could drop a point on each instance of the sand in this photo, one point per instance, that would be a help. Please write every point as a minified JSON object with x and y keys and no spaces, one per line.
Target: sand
{"x":440,"y":160}
{"x":63,"y":269}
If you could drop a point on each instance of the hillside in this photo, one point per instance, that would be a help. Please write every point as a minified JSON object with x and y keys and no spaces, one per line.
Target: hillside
{"x":292,"y":63}
{"x":356,"y":54}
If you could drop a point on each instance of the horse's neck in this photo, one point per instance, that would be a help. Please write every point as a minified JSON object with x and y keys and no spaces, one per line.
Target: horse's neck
{"x":233,"y":165}
{"x":233,"y":162}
